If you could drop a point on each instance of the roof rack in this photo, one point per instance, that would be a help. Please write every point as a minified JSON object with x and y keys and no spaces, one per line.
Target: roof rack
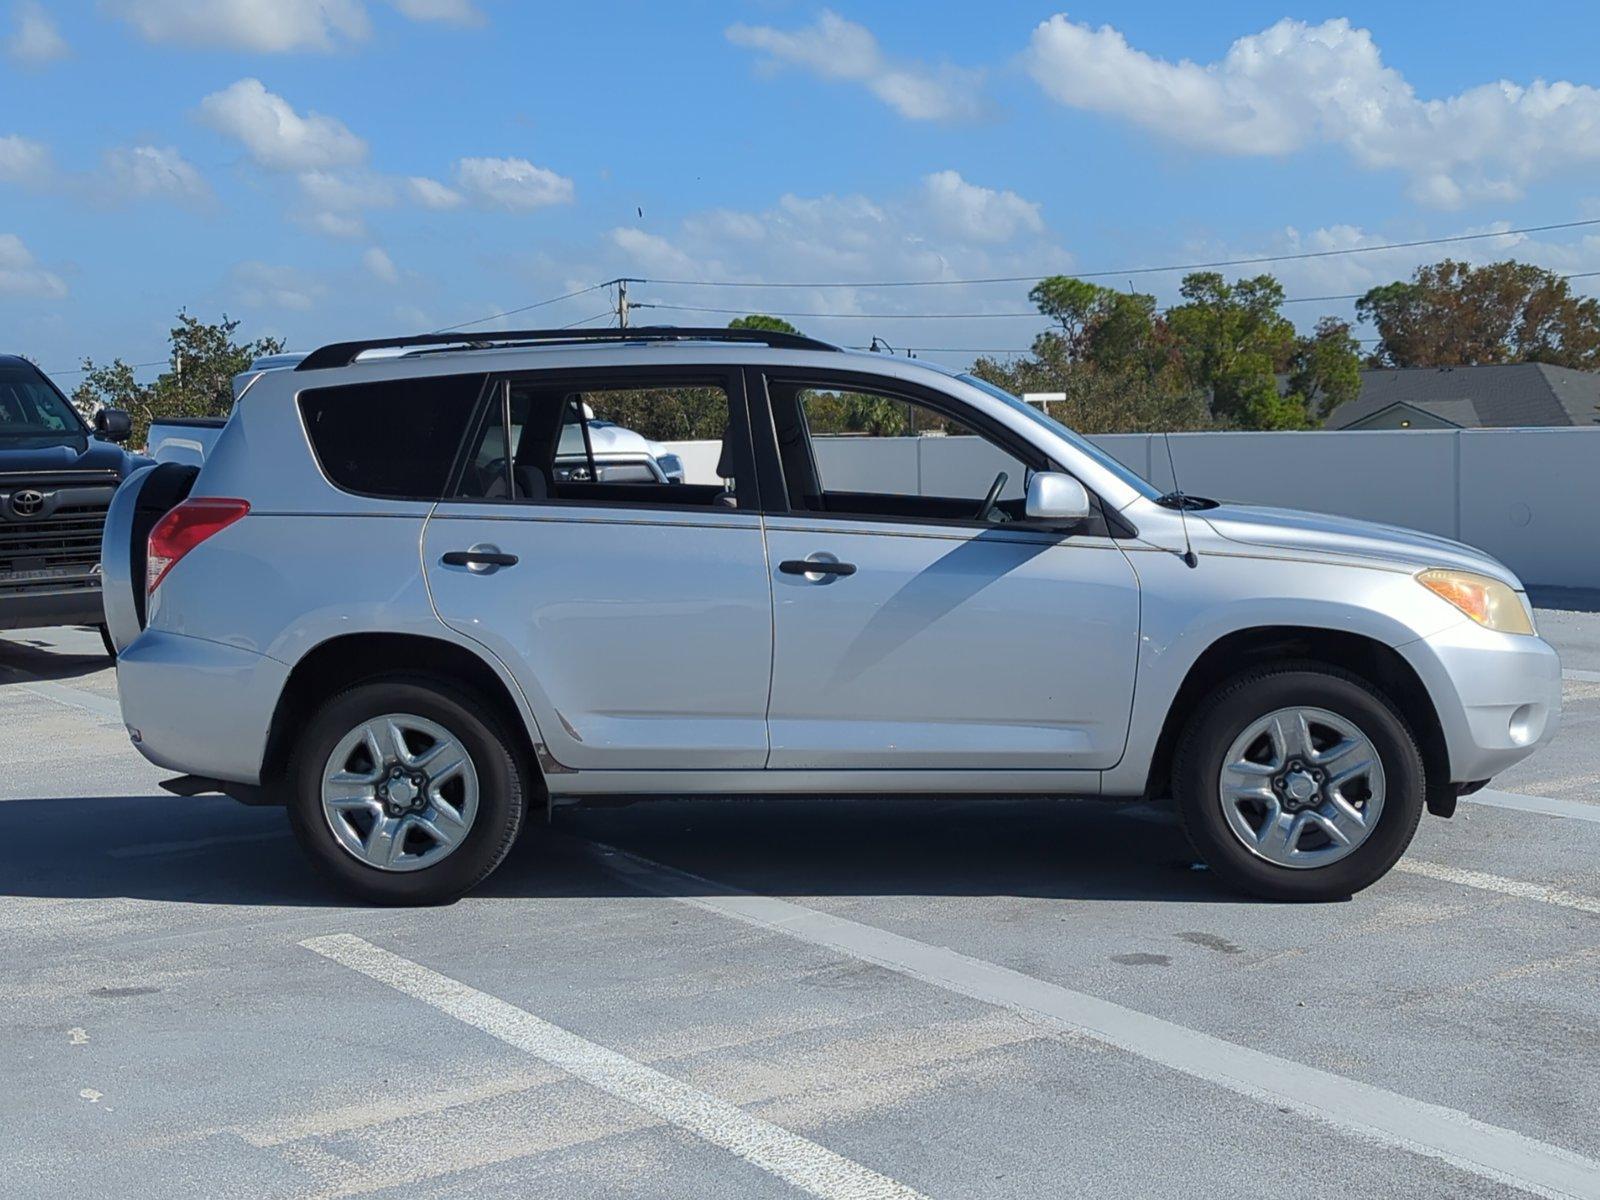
{"x":342,"y":354}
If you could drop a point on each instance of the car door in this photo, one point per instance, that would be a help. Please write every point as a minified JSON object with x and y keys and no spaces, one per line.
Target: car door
{"x":635,"y":613}
{"x":908,"y":632}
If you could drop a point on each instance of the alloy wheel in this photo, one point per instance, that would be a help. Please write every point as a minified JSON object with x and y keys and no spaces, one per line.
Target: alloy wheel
{"x":399,"y":792}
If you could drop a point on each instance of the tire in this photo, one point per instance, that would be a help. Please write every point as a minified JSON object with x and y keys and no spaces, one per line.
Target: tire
{"x":1311,"y":865}
{"x":105,"y":640}
{"x":421,"y":870}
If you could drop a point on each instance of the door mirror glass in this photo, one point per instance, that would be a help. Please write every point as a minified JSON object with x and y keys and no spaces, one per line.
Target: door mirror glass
{"x":1053,"y":496}
{"x":112,"y":425}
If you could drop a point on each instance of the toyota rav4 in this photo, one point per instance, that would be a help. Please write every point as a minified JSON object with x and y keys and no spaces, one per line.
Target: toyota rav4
{"x":403,"y":598}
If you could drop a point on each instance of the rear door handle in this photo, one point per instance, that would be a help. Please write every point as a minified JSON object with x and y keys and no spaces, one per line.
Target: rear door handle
{"x":476,"y":558}
{"x":816,"y":566}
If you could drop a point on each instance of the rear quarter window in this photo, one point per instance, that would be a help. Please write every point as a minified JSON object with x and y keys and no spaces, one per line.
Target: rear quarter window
{"x":397,"y":439}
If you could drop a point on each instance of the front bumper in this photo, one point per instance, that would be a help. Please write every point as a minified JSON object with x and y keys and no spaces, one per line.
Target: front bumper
{"x":1498,"y":695}
{"x":197,"y":706}
{"x":78,"y":604}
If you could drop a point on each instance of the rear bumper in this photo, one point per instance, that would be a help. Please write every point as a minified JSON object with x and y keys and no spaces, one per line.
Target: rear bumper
{"x":1498,"y":695}
{"x":199,"y":707}
{"x":62,"y":606}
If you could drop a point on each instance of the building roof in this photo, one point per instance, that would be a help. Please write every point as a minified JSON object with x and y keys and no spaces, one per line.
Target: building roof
{"x":1488,"y":397}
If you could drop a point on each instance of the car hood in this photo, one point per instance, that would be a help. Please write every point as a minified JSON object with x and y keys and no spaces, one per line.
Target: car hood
{"x":76,"y":454}
{"x":1320,"y":533}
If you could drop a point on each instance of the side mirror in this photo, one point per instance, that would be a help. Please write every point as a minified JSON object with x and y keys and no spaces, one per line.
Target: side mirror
{"x":112,"y":425}
{"x":1055,"y":497}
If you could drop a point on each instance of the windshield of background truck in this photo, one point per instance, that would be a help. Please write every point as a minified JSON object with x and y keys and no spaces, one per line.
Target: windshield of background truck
{"x":32,"y":412}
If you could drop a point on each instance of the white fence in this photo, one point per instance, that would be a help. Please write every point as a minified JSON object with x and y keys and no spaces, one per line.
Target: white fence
{"x":1530,"y":497}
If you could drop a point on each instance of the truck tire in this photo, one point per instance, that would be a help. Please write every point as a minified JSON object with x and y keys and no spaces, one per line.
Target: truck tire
{"x":406,"y":789}
{"x":1299,"y":782}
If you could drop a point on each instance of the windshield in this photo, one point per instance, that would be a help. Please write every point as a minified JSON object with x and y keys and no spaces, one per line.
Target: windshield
{"x":1136,"y":482}
{"x":32,"y":410}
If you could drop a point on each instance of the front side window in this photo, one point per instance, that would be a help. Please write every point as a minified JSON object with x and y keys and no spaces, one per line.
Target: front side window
{"x":664,"y":446}
{"x":397,"y":439}
{"x":863,"y":453}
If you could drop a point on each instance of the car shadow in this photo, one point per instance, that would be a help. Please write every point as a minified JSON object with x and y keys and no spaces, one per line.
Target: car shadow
{"x":41,"y":659}
{"x":209,"y":850}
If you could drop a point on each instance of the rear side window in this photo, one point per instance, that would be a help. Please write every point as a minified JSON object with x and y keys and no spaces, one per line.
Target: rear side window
{"x":396,"y":439}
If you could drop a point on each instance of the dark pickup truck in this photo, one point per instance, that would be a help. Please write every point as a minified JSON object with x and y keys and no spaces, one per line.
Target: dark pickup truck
{"x":56,"y":480}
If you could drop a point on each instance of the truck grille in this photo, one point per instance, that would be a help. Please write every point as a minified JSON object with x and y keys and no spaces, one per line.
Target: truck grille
{"x":58,"y":545}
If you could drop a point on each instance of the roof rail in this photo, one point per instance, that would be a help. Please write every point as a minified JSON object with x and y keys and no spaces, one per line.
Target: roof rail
{"x":342,"y":354}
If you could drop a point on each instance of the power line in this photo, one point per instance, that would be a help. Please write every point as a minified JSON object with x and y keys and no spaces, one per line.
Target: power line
{"x":610,"y":312}
{"x":1034,"y":313}
{"x":131,"y":366}
{"x":1126,"y":271}
{"x":511,"y":312}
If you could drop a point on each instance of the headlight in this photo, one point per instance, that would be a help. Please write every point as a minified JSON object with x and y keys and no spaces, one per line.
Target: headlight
{"x":1487,"y":601}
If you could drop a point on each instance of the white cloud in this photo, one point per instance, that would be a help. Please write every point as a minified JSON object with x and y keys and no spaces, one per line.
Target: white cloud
{"x":835,"y":48}
{"x":262,"y":285}
{"x":35,"y":40}
{"x":347,"y":191}
{"x":380,"y":265}
{"x":25,"y":161}
{"x":512,"y":183}
{"x":1296,"y":84}
{"x":263,"y":26}
{"x":274,"y":134}
{"x":21,"y":274}
{"x":350,"y":226}
{"x":944,"y":228}
{"x":451,"y":12}
{"x":977,"y":212}
{"x":155,"y":172}
{"x":275,"y":26}
{"x":430,"y":193}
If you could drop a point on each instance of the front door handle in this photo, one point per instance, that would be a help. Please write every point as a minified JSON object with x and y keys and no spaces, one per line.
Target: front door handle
{"x":479,"y":558}
{"x":816,"y":566}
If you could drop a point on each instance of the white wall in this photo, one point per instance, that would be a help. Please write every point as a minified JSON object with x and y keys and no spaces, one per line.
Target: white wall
{"x":1530,"y":497}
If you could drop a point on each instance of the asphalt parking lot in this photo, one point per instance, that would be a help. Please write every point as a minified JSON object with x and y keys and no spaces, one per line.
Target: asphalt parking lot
{"x":847,"y":999}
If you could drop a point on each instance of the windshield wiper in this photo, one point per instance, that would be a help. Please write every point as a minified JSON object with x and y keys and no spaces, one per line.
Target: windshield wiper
{"x":1185,"y":502}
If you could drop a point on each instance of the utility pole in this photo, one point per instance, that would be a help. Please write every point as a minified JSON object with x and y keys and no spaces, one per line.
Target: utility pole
{"x":622,"y":304}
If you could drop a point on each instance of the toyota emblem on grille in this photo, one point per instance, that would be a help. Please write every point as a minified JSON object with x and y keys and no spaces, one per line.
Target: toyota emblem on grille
{"x":27,"y":502}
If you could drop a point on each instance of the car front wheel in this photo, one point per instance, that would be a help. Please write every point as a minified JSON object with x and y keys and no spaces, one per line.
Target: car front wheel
{"x":1299,"y":782}
{"x":405,"y":790}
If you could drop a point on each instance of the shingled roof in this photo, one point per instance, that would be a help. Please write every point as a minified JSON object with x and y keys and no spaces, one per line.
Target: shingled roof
{"x":1478,"y":397}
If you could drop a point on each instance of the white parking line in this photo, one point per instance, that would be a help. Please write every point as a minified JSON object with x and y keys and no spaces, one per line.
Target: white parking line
{"x":792,"y":1158}
{"x":1502,"y":1155}
{"x":1499,"y":883}
{"x":1546,"y":806}
{"x":1581,"y":676}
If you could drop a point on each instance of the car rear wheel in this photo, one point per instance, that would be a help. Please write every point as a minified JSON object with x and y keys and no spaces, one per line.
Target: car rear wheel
{"x":406,"y":790}
{"x":1299,"y":782}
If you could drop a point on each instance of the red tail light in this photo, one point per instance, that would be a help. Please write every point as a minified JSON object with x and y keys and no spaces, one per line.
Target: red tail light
{"x":184,"y":528}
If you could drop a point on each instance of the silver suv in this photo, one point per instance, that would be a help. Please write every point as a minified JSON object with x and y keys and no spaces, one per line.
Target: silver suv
{"x":401,"y":598}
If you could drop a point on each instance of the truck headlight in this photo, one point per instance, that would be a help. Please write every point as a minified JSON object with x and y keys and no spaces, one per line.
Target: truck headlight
{"x":1487,"y":601}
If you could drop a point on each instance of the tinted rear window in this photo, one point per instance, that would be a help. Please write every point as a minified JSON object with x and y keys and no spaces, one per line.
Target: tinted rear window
{"x":396,"y":439}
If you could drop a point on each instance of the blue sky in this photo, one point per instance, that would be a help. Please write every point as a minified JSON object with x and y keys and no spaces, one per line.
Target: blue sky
{"x":331,"y":168}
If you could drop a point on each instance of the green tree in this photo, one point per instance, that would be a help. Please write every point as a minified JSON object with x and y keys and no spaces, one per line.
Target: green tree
{"x":1452,"y":314}
{"x":1112,"y":329}
{"x":1100,"y":399}
{"x":1326,"y":369}
{"x":762,"y":321}
{"x":1233,"y":343}
{"x":204,"y":359}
